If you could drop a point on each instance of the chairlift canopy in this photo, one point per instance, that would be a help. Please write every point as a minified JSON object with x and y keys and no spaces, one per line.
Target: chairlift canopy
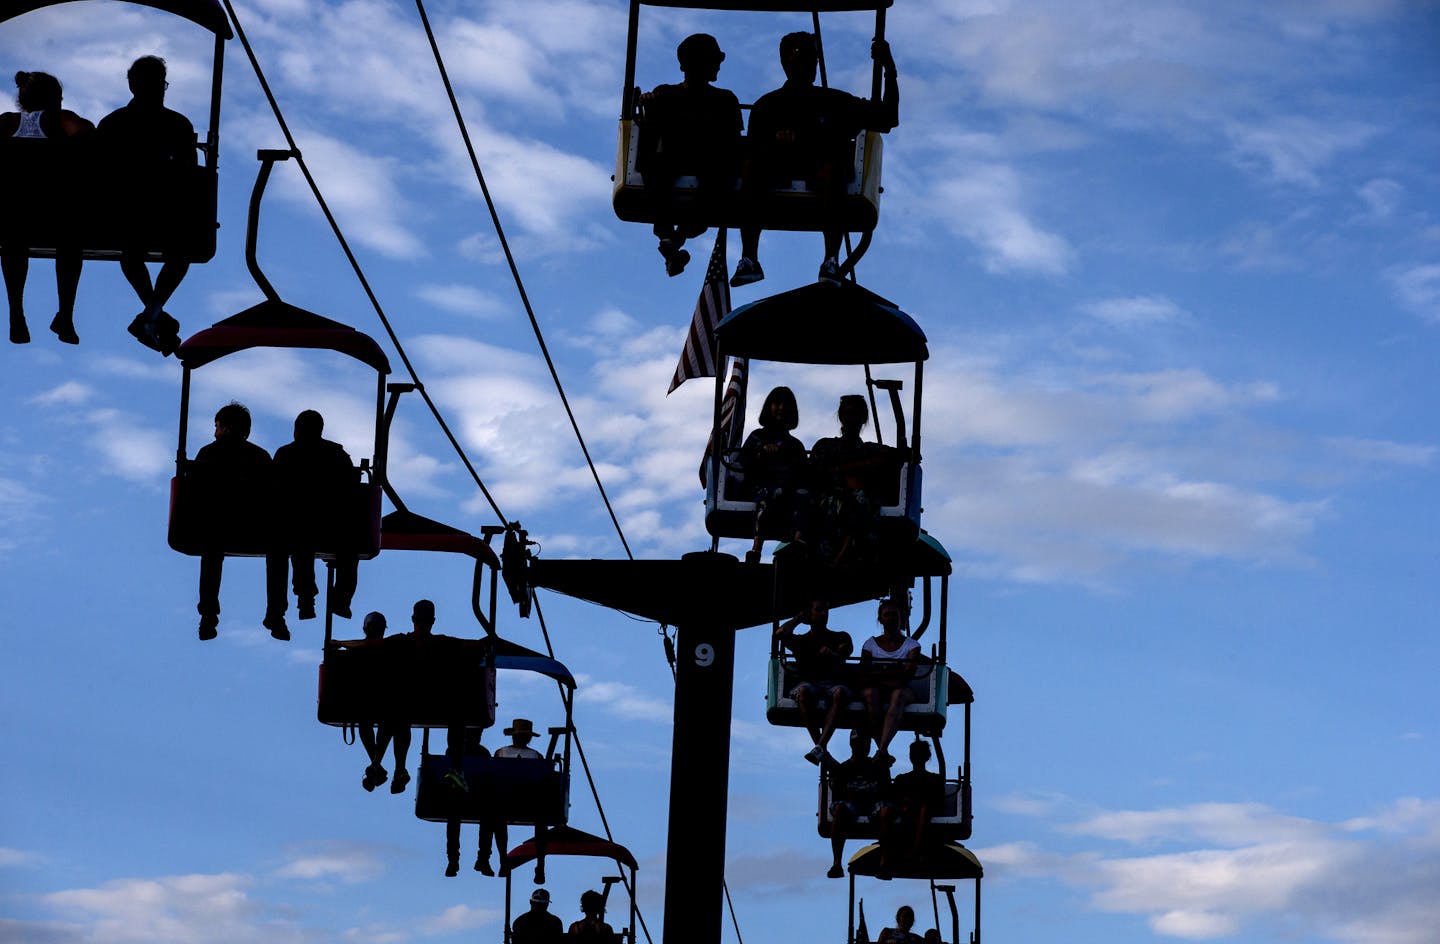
{"x":274,"y":323}
{"x":209,"y":14}
{"x":407,"y":531}
{"x":949,"y":861}
{"x":566,"y":840}
{"x":509,"y":655}
{"x":775,"y":6}
{"x":823,"y":323}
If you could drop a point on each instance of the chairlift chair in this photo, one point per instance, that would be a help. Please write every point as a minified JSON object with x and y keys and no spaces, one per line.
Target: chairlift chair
{"x":568,"y":841}
{"x":838,"y":323}
{"x":949,"y":862}
{"x":101,"y":232}
{"x":788,"y":207}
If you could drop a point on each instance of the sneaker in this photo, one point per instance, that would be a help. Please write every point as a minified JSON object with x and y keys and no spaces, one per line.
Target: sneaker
{"x":305,"y":610}
{"x":676,"y":259}
{"x":167,"y":332}
{"x":277,"y":627}
{"x":374,"y":776}
{"x":815,"y":755}
{"x":341,"y":610}
{"x":452,"y":869}
{"x":402,"y":777}
{"x":747,"y":270}
{"x":64,"y":329}
{"x":830,"y":270}
{"x":19,"y":332}
{"x":456,"y":779}
{"x":835,"y":872}
{"x":482,"y":865}
{"x":143,"y":330}
{"x":208,"y":626}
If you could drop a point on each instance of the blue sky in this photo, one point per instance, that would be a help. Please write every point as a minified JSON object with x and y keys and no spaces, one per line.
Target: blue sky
{"x":1180,"y":269}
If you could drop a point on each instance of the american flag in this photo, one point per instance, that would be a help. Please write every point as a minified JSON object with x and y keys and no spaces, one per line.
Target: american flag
{"x":698,"y":358}
{"x":731,"y":407}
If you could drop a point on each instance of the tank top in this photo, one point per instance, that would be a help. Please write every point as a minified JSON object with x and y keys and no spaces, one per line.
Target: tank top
{"x":30,"y":125}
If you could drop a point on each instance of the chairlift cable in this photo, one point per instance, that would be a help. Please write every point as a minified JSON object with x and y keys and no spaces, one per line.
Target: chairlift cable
{"x":354,"y":262}
{"x":567,"y":698}
{"x":515,"y":272}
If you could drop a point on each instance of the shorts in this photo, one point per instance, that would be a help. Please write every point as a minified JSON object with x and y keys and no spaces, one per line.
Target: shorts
{"x":821,"y":690}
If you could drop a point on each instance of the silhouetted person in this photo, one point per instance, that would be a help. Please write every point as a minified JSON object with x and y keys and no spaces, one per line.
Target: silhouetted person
{"x":231,"y":481}
{"x":420,"y":652}
{"x":375,"y":737}
{"x":314,"y":483}
{"x":592,"y":927}
{"x":775,"y":467}
{"x":39,"y":162}
{"x":859,"y":786}
{"x":689,"y":128}
{"x":538,"y":925}
{"x":521,"y":732}
{"x":803,"y":131}
{"x":901,"y":933}
{"x":917,"y":796}
{"x":459,"y":744}
{"x":887,"y":666}
{"x":820,"y":656}
{"x":151,"y":150}
{"x":844,"y":470}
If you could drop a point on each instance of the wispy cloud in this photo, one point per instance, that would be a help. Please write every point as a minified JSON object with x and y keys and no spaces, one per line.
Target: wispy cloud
{"x":1134,"y":311}
{"x":1227,"y":868}
{"x":1417,"y":288}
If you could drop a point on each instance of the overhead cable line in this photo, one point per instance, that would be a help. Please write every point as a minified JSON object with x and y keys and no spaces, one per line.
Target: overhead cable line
{"x":515,"y":272}
{"x":567,"y":699}
{"x":355,"y":263}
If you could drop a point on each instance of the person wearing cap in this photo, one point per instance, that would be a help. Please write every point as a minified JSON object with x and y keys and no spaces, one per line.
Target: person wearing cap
{"x":538,"y":925}
{"x":593,"y":926}
{"x":689,"y":128}
{"x":521,"y":732}
{"x":804,"y":131}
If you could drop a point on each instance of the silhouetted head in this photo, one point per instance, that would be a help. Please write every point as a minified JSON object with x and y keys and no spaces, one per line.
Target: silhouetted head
{"x":539,"y":900}
{"x":905,"y":918}
{"x":37,"y":91}
{"x":308,"y":426}
{"x":819,"y":612}
{"x":422,"y":617}
{"x":919,"y":753}
{"x":699,"y":51}
{"x":374,"y":625}
{"x":798,"y":56}
{"x":780,"y":409}
{"x":852,"y":413}
{"x":232,"y":419}
{"x":592,"y":903}
{"x":147,"y":78}
{"x":859,"y":743}
{"x":888,"y":615}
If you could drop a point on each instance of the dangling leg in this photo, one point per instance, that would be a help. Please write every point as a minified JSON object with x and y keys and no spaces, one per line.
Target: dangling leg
{"x":16,"y":266}
{"x":67,"y":282}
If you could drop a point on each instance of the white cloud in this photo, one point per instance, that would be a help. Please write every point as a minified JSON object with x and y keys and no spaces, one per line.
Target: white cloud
{"x":1381,"y":197}
{"x":460,"y":918}
{"x":1368,"y":880}
{"x":346,"y":862}
{"x":179,"y":909}
{"x":461,"y":299}
{"x":130,"y":450}
{"x":983,"y":204}
{"x":1417,"y":287}
{"x":622,"y":700}
{"x":69,"y":393}
{"x":15,"y":858}
{"x":1136,"y":311}
{"x":1295,"y":149}
{"x":1381,"y":451}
